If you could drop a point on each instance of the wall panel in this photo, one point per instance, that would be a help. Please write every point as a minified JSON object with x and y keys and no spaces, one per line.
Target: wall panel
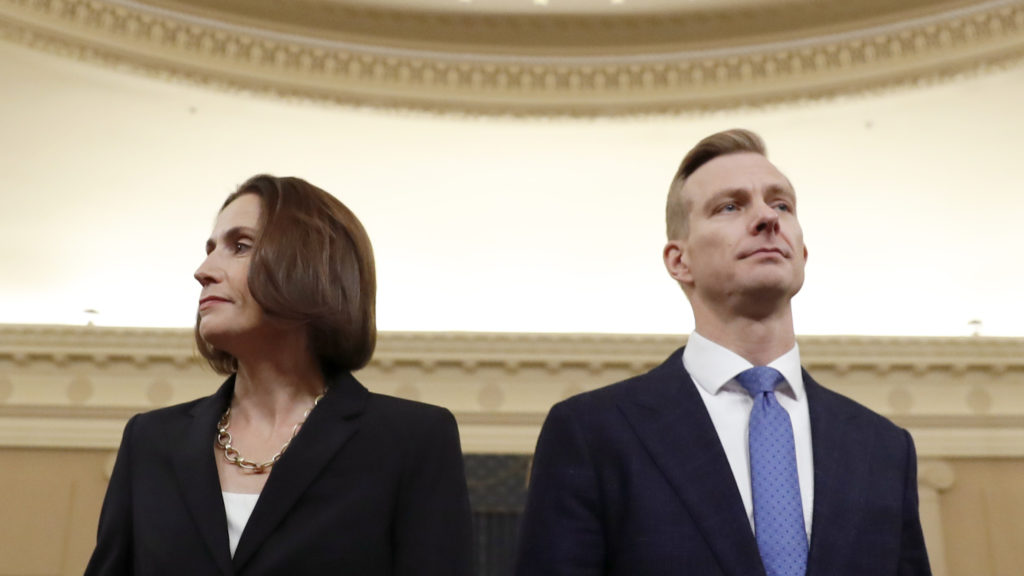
{"x":66,"y":392}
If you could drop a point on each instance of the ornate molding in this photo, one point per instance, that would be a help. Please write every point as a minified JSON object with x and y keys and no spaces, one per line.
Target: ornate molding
{"x":937,"y":475}
{"x":67,"y":386}
{"x":512,"y":64}
{"x":60,"y":344}
{"x":933,"y":478}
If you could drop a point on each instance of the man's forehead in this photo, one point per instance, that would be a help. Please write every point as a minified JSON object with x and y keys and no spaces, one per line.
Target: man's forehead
{"x":740,"y":170}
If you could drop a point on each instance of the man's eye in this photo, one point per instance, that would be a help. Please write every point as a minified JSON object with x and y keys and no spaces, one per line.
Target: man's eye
{"x":730,"y":207}
{"x":783,"y":207}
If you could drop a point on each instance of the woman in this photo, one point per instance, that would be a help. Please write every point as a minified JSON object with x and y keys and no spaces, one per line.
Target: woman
{"x":292,"y":467}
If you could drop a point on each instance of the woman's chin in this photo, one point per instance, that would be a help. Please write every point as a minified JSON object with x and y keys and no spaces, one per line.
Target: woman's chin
{"x":213,"y":335}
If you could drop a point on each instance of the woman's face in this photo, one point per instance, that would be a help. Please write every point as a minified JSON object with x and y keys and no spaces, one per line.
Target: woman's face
{"x":227,"y":311}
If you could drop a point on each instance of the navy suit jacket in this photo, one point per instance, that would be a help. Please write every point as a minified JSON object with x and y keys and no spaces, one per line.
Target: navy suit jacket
{"x":371,"y":486}
{"x":631,"y":479}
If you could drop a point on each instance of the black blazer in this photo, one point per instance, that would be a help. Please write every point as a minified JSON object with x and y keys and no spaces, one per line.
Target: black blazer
{"x":631,"y":479}
{"x":372,"y":485}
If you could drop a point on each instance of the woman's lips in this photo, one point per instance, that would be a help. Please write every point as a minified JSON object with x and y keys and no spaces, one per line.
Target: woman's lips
{"x":208,"y":301}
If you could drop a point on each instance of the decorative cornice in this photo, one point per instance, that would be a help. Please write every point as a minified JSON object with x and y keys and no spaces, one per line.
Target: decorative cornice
{"x":58,"y":344}
{"x":512,"y":351}
{"x":74,"y":386}
{"x":408,"y":63}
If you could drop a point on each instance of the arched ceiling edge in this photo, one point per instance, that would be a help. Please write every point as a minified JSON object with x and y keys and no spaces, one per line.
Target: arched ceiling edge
{"x":210,"y":44}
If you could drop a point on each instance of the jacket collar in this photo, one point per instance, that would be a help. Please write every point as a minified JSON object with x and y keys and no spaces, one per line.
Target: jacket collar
{"x":329,"y":426}
{"x":669,"y":417}
{"x":196,"y":468}
{"x":842,"y":447}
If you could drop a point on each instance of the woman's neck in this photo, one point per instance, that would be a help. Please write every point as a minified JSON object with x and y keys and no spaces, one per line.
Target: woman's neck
{"x":277,"y":382}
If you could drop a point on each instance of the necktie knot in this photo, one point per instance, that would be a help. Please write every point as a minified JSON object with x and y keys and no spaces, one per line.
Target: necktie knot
{"x":760,"y":379}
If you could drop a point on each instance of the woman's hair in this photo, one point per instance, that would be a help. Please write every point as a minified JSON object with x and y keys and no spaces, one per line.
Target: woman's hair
{"x":312,"y":263}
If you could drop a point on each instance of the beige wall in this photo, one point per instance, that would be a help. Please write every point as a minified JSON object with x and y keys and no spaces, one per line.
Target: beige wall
{"x":504,"y":224}
{"x":65,"y":393}
{"x":50,"y":501}
{"x":983,"y":513}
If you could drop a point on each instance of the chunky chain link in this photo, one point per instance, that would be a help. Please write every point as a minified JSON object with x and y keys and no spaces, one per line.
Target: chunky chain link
{"x":224,"y":442}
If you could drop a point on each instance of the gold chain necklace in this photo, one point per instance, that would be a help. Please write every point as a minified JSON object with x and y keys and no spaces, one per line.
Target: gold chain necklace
{"x":232,"y":456}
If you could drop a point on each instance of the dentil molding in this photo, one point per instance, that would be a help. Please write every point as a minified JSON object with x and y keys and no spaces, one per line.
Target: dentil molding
{"x":699,"y":56}
{"x":74,"y":387}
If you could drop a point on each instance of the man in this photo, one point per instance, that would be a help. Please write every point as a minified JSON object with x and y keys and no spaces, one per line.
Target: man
{"x":727,"y":459}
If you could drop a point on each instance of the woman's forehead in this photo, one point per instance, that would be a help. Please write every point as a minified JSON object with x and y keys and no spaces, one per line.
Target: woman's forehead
{"x":243,"y":211}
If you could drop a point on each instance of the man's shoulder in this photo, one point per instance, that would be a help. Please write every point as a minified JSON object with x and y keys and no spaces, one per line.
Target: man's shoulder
{"x":822,"y":397}
{"x":634,"y":387}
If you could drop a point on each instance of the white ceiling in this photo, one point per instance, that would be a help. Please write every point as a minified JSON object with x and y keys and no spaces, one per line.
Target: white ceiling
{"x":911,"y":203}
{"x":554,"y":6}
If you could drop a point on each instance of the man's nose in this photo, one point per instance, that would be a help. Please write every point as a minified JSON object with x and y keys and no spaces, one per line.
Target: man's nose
{"x":766,"y":219}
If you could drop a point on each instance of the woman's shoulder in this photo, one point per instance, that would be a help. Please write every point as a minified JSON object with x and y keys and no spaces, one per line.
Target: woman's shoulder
{"x":161,"y":420}
{"x":393,"y":407}
{"x":415,"y":430}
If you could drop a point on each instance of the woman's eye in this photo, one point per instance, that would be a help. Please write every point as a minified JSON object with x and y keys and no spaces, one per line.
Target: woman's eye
{"x":241,"y":247}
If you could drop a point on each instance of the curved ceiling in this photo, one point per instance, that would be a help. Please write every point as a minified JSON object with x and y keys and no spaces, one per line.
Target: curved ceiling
{"x":617,"y":7}
{"x":532,"y":57}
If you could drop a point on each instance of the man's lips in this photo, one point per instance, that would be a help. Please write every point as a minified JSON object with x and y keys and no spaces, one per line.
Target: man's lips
{"x":765,"y":250}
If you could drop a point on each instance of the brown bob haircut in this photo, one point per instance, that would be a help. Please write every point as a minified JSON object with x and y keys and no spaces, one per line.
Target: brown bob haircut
{"x":312,"y":263}
{"x":677,"y":208}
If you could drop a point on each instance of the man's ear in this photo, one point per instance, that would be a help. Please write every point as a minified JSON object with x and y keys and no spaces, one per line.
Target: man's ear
{"x":677,"y":262}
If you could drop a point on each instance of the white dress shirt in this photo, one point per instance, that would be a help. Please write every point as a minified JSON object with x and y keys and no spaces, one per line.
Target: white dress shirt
{"x":238,"y":507}
{"x":713,"y":368}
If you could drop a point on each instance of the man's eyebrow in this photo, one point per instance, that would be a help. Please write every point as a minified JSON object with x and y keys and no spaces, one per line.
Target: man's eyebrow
{"x":783,"y":188}
{"x":726,"y":193}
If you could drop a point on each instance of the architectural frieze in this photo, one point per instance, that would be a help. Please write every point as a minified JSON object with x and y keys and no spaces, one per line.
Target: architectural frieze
{"x":622,"y":71}
{"x":75,"y":386}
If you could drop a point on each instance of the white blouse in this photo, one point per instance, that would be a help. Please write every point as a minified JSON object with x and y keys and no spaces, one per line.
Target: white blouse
{"x":238,"y":508}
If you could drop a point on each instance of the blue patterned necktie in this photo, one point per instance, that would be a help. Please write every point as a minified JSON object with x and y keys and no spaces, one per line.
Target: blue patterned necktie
{"x":778,"y":513}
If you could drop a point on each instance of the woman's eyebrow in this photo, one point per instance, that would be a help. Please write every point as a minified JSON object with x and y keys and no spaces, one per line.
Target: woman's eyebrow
{"x":231,"y":234}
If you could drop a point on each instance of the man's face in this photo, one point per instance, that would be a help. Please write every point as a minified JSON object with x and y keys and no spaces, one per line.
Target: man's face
{"x":744,"y":238}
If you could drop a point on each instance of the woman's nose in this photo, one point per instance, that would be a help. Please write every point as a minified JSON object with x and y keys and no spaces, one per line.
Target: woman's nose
{"x":205,"y":274}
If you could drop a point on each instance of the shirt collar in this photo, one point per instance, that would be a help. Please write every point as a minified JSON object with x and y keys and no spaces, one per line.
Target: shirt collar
{"x":713,"y":366}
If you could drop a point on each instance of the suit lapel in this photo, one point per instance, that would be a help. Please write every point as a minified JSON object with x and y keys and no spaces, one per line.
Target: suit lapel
{"x":671,"y":421}
{"x":329,"y":426}
{"x":196,"y":470}
{"x":841,"y":476}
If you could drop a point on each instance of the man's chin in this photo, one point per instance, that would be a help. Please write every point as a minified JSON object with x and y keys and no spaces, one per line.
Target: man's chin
{"x":772,"y":281}
{"x":769,"y":291}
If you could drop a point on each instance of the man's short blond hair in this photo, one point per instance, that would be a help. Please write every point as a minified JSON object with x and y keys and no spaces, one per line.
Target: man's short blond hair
{"x":677,"y":208}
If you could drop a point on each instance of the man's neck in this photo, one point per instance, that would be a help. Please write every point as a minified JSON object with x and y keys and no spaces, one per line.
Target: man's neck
{"x":758,"y":340}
